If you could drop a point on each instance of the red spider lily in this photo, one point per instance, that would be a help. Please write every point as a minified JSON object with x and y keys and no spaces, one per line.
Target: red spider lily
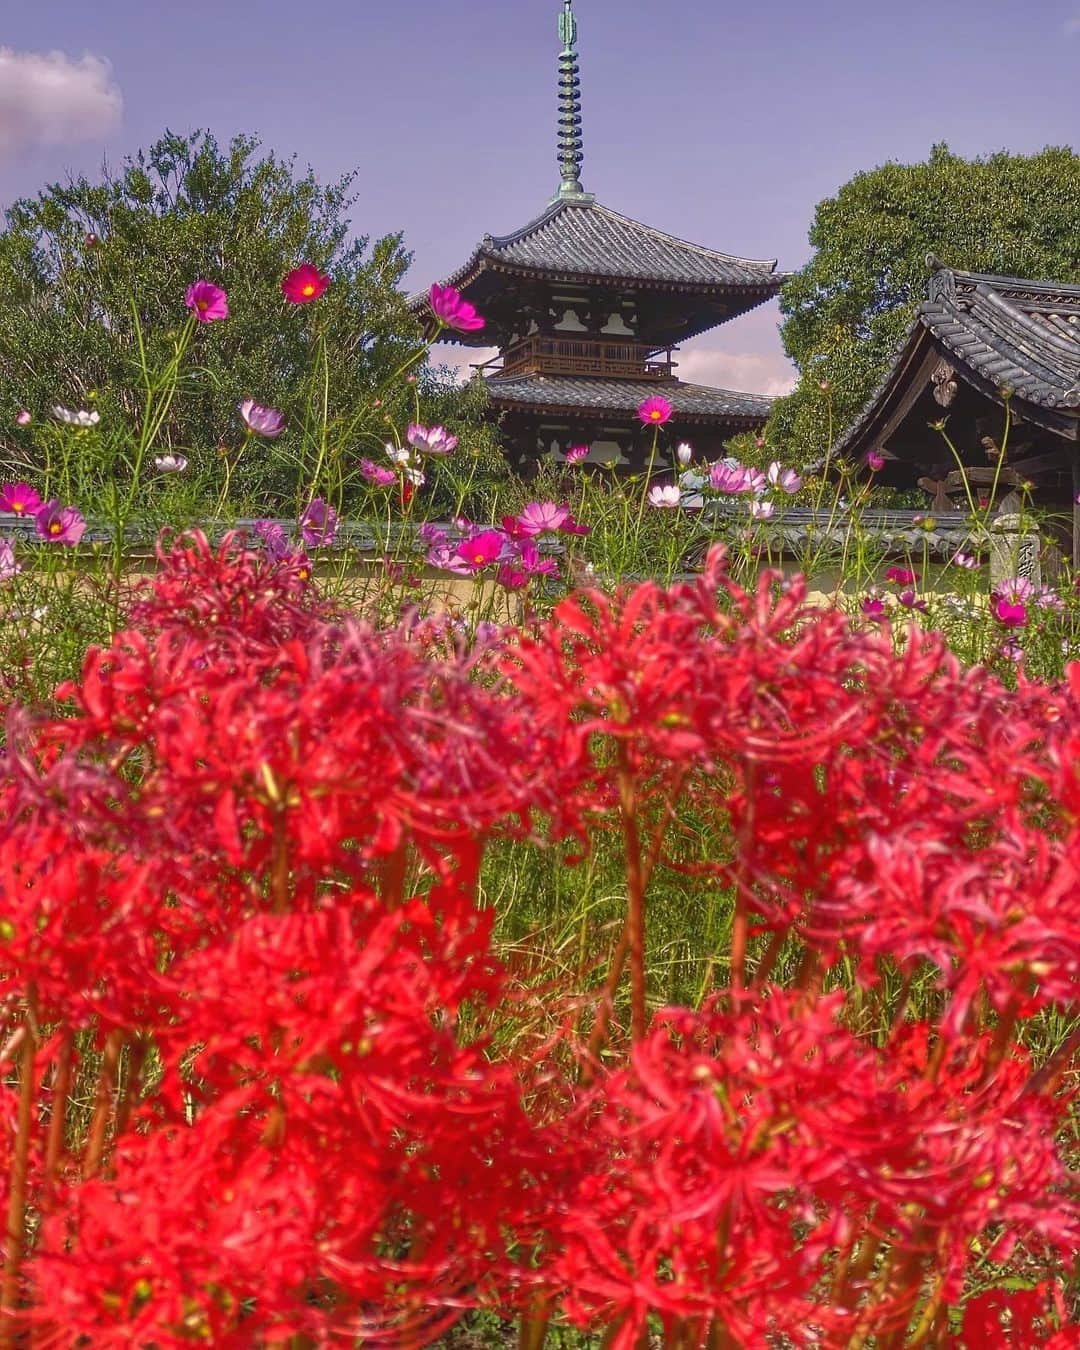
{"x":239,"y":886}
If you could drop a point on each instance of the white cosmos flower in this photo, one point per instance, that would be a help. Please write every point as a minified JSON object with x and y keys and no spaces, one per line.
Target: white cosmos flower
{"x":398,"y":454}
{"x":664,"y":496}
{"x":170,"y":463}
{"x":82,"y":418}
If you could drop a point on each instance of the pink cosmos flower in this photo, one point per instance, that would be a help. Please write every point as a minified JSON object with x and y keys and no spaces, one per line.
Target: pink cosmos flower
{"x":724,"y":477}
{"x":761,"y":510}
{"x":576,"y":454}
{"x":19,"y":499}
{"x":23,"y":418}
{"x":964,"y":560}
{"x":1012,"y":650}
{"x":319,"y":523}
{"x":59,"y":524}
{"x":431,"y":440}
{"x":875,"y":460}
{"x":482,"y":549}
{"x":452,"y":311}
{"x":1015,"y":588}
{"x":304,"y":284}
{"x":543,"y":517}
{"x":274,"y":539}
{"x":902,"y":576}
{"x":655,"y":411}
{"x":786,"y":479}
{"x":527,"y":564}
{"x":873,"y":607}
{"x":262,"y":421}
{"x":8,"y":565}
{"x":207,"y":301}
{"x":1047,"y":598}
{"x":376,"y":474}
{"x":665,"y":496}
{"x":910,"y":600}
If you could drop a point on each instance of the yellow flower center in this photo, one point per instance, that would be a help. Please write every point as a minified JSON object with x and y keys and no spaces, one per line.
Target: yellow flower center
{"x":202,"y":306}
{"x":309,"y":289}
{"x":18,"y":507}
{"x":479,"y":558}
{"x":55,"y":527}
{"x":655,"y":414}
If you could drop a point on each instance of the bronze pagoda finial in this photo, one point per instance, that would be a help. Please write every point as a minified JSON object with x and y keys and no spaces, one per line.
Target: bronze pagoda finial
{"x":571,"y":153}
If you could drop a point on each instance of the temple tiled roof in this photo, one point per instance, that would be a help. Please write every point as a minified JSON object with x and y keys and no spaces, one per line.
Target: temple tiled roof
{"x":580,"y":239}
{"x":691,"y":402}
{"x":997,"y":332}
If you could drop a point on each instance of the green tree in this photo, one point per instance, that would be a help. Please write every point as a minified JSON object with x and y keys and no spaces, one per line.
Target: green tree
{"x":847,"y":309}
{"x":81,"y":260}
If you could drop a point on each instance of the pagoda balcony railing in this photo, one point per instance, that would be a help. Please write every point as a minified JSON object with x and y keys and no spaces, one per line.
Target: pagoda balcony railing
{"x":540,"y":355}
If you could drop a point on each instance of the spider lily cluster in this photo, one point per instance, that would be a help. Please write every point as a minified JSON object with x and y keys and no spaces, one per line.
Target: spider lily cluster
{"x":268,"y":1076}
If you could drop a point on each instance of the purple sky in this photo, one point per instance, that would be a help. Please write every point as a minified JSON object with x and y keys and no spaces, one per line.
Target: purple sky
{"x":719,"y":123}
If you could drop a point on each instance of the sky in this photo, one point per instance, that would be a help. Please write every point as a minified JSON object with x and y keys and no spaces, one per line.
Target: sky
{"x":721,"y":123}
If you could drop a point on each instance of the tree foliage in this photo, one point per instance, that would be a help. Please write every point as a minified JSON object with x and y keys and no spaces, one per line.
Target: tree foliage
{"x":80,"y":261}
{"x":846,"y":310}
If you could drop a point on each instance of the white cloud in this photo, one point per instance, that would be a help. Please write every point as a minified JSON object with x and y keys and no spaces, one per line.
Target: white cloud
{"x":748,"y":372}
{"x":49,"y":98}
{"x":459,"y":359}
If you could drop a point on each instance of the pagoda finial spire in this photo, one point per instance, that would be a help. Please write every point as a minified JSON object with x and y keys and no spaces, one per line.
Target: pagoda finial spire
{"x":570,"y":143}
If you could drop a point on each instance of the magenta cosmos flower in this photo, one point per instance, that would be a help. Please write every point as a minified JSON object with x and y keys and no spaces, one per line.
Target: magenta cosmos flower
{"x":873,"y":607}
{"x":319,"y":523}
{"x":19,"y":499}
{"x":274,"y":539}
{"x":910,"y":600}
{"x":655,"y":411}
{"x":376,"y":474}
{"x":875,"y":460}
{"x":902,"y":576}
{"x":1007,"y":602}
{"x":304,"y":284}
{"x":207,"y":301}
{"x":454,"y":312}
{"x":23,"y":418}
{"x":483,"y":549}
{"x":59,"y":524}
{"x":576,"y":454}
{"x":262,"y":421}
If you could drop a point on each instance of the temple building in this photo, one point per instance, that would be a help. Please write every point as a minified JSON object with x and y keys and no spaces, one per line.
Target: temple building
{"x":587,"y":307}
{"x":991,"y":367}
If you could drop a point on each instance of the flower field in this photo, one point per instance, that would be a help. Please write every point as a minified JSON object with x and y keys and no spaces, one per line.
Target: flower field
{"x":641,"y":955}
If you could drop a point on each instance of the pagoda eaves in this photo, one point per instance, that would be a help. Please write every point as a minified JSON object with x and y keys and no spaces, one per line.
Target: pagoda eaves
{"x":582,"y":243}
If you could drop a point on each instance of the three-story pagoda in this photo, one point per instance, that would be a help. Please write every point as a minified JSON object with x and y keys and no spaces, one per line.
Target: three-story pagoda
{"x":586,"y":307}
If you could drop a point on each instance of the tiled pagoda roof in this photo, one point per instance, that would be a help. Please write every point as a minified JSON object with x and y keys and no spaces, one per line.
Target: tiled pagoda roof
{"x":575,"y":393}
{"x":578,"y":239}
{"x":996,"y":332}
